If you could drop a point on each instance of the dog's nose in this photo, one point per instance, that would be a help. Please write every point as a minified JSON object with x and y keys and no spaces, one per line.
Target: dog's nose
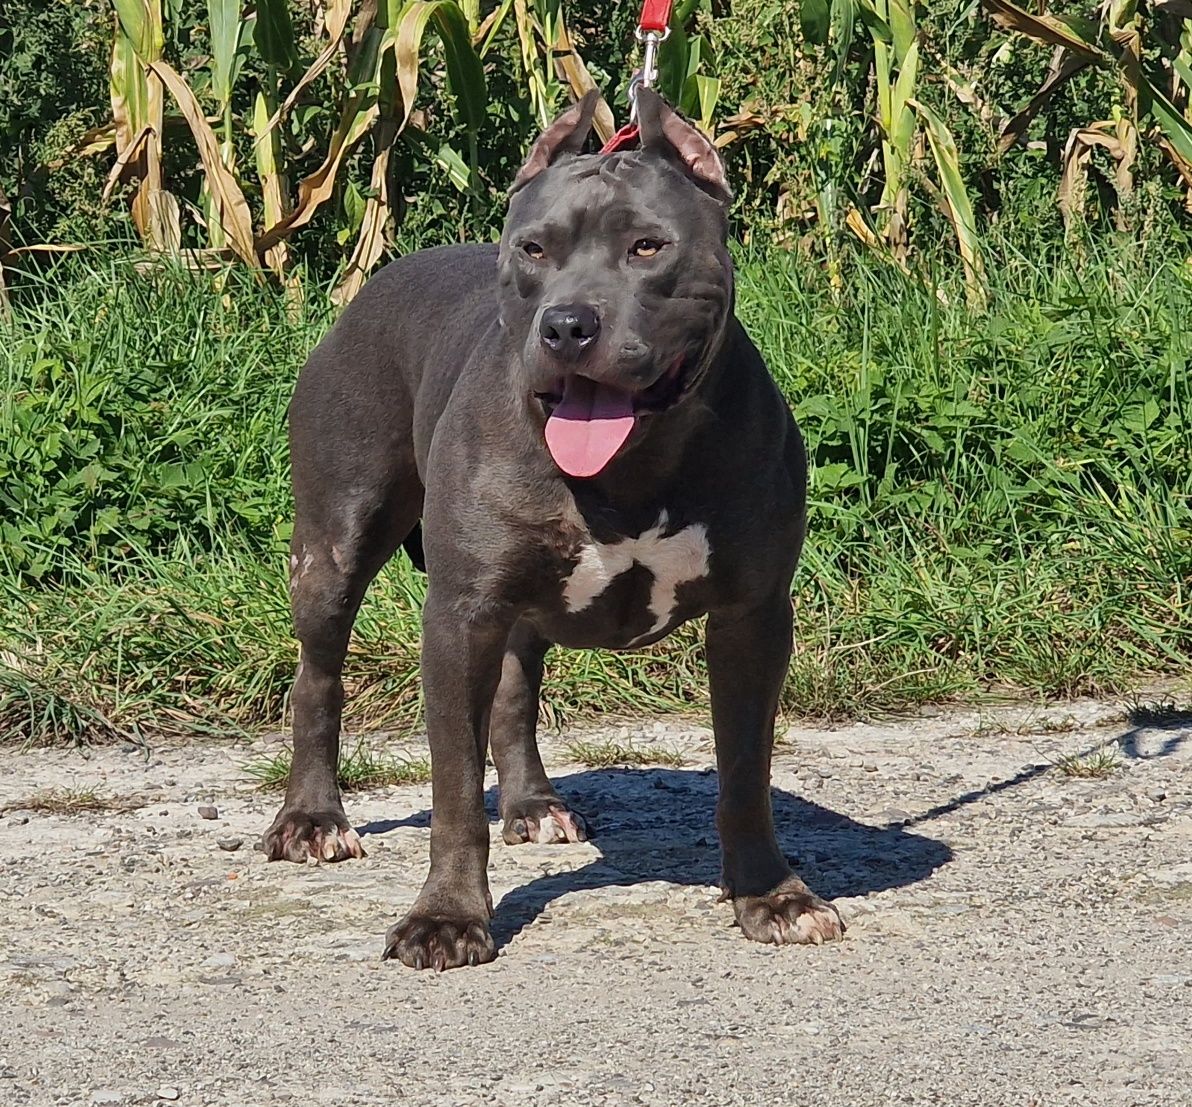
{"x":567,"y":330}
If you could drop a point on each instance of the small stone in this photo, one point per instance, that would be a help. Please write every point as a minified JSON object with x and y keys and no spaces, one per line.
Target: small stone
{"x":18,"y":820}
{"x":869,"y":766}
{"x":207,"y":811}
{"x":107,"y":1097}
{"x":167,"y":1092}
{"x":1156,"y":795}
{"x":231,"y":845}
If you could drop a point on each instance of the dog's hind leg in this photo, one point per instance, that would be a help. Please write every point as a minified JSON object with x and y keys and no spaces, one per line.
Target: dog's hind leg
{"x":357,"y":498}
{"x":328,"y":581}
{"x":530,"y":807}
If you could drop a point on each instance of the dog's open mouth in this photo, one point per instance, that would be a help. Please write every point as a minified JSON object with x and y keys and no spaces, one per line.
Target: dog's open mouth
{"x":588,"y":422}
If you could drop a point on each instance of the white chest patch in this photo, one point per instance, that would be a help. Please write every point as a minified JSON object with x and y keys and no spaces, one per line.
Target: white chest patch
{"x":672,"y":561}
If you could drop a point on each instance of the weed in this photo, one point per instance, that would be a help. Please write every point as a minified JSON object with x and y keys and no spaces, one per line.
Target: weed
{"x":359,"y":770}
{"x":1023,"y":727}
{"x":606,"y":755}
{"x":1162,"y":713}
{"x":74,"y":801}
{"x":1094,"y":765}
{"x":38,"y":710}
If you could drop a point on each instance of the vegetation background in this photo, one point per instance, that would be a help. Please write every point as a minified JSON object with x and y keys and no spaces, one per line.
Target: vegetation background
{"x":962,"y":233}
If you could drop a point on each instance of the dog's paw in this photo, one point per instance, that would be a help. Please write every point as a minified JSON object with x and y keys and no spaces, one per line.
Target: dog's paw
{"x":300,"y":835}
{"x":790,"y":914}
{"x":543,"y":822}
{"x":434,"y":942}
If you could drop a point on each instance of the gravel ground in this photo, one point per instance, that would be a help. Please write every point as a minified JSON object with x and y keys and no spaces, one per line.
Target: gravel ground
{"x":1016,"y":937}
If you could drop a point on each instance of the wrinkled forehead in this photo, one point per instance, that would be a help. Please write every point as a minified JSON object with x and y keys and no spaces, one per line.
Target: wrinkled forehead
{"x":605,"y":194}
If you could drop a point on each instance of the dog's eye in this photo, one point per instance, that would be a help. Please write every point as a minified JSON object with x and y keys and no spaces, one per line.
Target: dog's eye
{"x":533,"y":251}
{"x":645,"y":248}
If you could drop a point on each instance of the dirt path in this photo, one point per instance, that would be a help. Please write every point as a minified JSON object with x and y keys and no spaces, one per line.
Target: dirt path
{"x":1016,"y":937}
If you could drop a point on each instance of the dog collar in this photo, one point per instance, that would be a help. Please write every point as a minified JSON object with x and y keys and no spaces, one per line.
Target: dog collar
{"x":625,"y":137}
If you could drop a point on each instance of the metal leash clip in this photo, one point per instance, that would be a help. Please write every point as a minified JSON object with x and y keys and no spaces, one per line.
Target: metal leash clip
{"x":647,"y":75}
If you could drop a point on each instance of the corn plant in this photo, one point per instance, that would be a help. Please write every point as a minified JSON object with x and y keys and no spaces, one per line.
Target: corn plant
{"x":906,"y":128}
{"x":371,"y":57}
{"x":1147,"y":45}
{"x":257,"y":105}
{"x":687,"y":64}
{"x":137,"y":116}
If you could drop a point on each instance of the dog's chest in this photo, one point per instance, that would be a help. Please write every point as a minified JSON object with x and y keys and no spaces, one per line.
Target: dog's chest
{"x":629,"y":591}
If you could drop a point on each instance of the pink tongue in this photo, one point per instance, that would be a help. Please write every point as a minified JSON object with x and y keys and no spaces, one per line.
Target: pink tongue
{"x":589,"y":426}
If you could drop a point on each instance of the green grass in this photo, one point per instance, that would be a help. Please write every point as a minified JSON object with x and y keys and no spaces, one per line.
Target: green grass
{"x":998,"y":501}
{"x":359,"y":770}
{"x":1095,"y":765}
{"x":606,"y":755}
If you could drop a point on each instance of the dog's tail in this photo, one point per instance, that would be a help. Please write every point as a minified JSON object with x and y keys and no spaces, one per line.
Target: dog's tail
{"x":413,"y":547}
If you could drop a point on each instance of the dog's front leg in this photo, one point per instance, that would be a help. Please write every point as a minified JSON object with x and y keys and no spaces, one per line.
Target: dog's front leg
{"x":748,"y":651}
{"x":461,"y":664}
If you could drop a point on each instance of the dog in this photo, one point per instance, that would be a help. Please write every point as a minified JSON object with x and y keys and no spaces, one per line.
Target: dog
{"x":574,"y":436}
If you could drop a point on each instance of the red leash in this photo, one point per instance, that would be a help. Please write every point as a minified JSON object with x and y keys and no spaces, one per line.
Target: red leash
{"x":653,"y":25}
{"x":655,"y":17}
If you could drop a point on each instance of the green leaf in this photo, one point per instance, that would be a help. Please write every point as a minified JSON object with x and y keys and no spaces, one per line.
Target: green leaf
{"x":273,"y":34}
{"x":673,"y":66}
{"x":1176,"y":129}
{"x":878,"y":27}
{"x":844,"y":22}
{"x":226,"y":27}
{"x":465,"y":72}
{"x":141,"y":21}
{"x":708,"y":92}
{"x":814,"y":20}
{"x":447,"y":159}
{"x":1140,"y":417}
{"x":960,"y":210}
{"x":1183,"y":70}
{"x":902,"y":26}
{"x":826,"y":478}
{"x":353,"y":205}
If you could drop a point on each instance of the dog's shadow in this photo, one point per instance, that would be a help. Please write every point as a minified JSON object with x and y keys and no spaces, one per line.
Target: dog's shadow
{"x":657,"y":824}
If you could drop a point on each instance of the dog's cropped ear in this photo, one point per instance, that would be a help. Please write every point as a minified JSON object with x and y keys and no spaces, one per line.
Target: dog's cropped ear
{"x":566,"y":135}
{"x":666,"y":132}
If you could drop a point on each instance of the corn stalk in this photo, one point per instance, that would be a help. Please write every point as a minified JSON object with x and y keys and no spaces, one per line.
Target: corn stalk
{"x":906,"y":125}
{"x":137,"y":110}
{"x":1133,"y":40}
{"x":896,"y":66}
{"x":228,"y":30}
{"x":372,"y":55}
{"x":273,"y":37}
{"x":401,"y":28}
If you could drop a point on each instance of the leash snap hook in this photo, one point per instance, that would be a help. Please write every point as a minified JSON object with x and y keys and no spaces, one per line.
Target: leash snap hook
{"x":647,"y":75}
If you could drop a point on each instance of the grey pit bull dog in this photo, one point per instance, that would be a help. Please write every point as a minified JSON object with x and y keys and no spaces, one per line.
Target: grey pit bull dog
{"x":579,"y":439}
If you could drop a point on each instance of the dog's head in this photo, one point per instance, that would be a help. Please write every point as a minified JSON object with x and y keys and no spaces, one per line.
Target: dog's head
{"x":615,"y":273}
